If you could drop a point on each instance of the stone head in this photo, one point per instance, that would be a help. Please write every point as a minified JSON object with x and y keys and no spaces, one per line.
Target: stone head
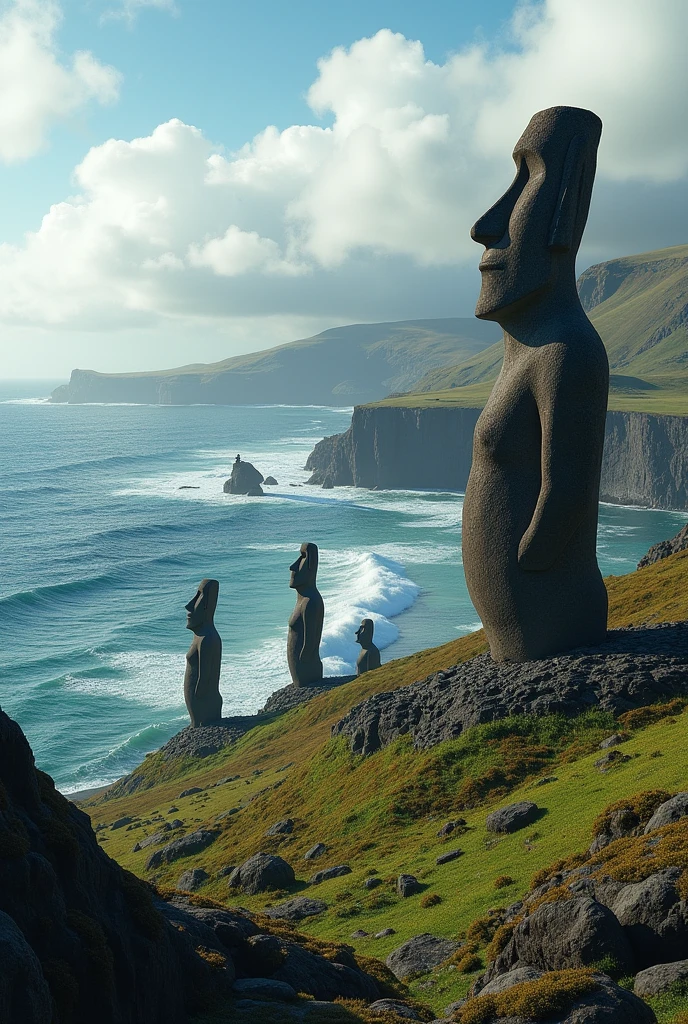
{"x":364,"y":633}
{"x":532,"y":234}
{"x":305,"y":569}
{"x":201,"y":608}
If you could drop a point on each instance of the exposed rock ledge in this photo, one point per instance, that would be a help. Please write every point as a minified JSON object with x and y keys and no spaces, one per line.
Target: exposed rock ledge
{"x":635,"y":667}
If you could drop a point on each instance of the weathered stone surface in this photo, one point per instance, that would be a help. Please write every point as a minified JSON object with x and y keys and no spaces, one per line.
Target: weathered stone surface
{"x":315,"y":851}
{"x":292,"y":696}
{"x":327,"y":873}
{"x":325,"y":979}
{"x":121,"y":822}
{"x":665,"y":548}
{"x":261,"y":873}
{"x":655,"y":980}
{"x":385,"y":1006}
{"x":281,"y":828}
{"x":614,"y":757}
{"x":633,"y":668}
{"x":613,"y":741}
{"x":512,"y":818}
{"x":420,"y":954}
{"x":270,"y":481}
{"x":451,"y":826}
{"x":296,"y":909}
{"x":669,"y":812}
{"x":192,"y":879}
{"x":244,"y":479}
{"x":642,"y":907}
{"x":408,"y":885}
{"x":445,"y":858}
{"x":384,"y":933}
{"x":185,"y":846}
{"x":24,"y":993}
{"x":264,"y":988}
{"x":372,"y":883}
{"x":514,"y":977}
{"x":191,"y":791}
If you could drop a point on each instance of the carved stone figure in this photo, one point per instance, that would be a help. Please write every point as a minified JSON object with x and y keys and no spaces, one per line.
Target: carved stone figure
{"x":369,"y":658}
{"x":204,"y":657}
{"x":306,"y":622}
{"x":530,"y":511}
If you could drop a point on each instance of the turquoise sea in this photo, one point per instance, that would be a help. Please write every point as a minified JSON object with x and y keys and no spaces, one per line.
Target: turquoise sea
{"x":110,"y":516}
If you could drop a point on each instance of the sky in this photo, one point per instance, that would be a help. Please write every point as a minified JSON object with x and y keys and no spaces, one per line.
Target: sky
{"x":186,"y":180}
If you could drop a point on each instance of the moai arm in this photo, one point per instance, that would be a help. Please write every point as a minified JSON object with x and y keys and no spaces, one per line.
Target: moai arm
{"x":571,"y":457}
{"x":311,"y":639}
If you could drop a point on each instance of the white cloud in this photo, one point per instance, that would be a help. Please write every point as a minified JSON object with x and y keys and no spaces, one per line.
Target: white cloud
{"x":130,"y":9}
{"x":36,"y":89}
{"x":317,"y":221}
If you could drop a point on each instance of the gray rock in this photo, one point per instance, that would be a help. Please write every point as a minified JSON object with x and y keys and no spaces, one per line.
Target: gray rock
{"x":261,"y":873}
{"x":576,"y":932}
{"x":270,"y":481}
{"x":264,"y":988}
{"x":545,"y":781}
{"x":383,"y":1006}
{"x":655,"y":980}
{"x":226,"y":870}
{"x":666,"y":548}
{"x":296,"y":909}
{"x":642,"y":907}
{"x":408,"y":885}
{"x":614,"y":757}
{"x":673,"y":932}
{"x":121,"y":822}
{"x":444,"y":858}
{"x":633,"y":668}
{"x":359,"y":934}
{"x":185,"y":846}
{"x":153,"y":840}
{"x":245,"y":478}
{"x":384,"y":933}
{"x":24,"y":993}
{"x":315,"y":851}
{"x":670,"y":811}
{"x":514,"y":977}
{"x":420,"y":954}
{"x":325,"y":979}
{"x":191,"y":791}
{"x":281,"y":828}
{"x":512,"y":818}
{"x":192,"y":879}
{"x":451,"y":826}
{"x":613,"y":741}
{"x":372,"y":883}
{"x":327,"y":873}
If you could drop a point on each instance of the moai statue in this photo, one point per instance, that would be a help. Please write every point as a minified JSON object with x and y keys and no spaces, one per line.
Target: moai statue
{"x":306,"y":622}
{"x":369,"y":658}
{"x":204,"y":657}
{"x":530,"y":510}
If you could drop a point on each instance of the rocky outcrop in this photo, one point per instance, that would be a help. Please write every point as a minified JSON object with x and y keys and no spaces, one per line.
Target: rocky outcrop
{"x":245,"y":479}
{"x":665,"y":548}
{"x":645,"y":456}
{"x":420,"y":954}
{"x":261,"y":873}
{"x":635,"y":667}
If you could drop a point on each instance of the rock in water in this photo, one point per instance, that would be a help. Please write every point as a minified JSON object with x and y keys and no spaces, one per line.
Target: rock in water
{"x":245,"y":478}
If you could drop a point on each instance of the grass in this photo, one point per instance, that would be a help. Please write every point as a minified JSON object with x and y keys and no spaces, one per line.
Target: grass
{"x":381,"y":814}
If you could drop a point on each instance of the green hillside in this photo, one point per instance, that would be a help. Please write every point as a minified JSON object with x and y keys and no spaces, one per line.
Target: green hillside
{"x":342,"y":366}
{"x":381,"y":814}
{"x":639,"y":305}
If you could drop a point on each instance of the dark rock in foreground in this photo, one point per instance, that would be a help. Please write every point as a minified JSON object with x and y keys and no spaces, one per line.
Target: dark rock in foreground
{"x":633,"y":668}
{"x":327,"y":873}
{"x":297,"y":909}
{"x":655,"y":980}
{"x":512,"y":818}
{"x":261,"y":873}
{"x":665,"y":548}
{"x":420,"y":954}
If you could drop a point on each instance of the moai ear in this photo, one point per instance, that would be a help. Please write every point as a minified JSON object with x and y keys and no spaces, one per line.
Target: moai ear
{"x":563,"y":226}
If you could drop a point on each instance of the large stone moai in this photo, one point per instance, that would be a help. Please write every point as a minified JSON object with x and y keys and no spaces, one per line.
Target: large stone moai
{"x":369,"y":658}
{"x":306,"y":622}
{"x":530,"y":511}
{"x":204,"y":657}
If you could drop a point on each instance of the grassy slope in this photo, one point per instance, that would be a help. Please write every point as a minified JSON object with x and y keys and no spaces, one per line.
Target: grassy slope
{"x":652,"y":371}
{"x":382,"y":813}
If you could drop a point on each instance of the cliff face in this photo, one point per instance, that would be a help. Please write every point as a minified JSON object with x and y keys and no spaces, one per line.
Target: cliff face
{"x":645,"y":456}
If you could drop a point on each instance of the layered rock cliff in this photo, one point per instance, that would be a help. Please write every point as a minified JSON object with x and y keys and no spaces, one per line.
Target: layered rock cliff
{"x":645,"y":456}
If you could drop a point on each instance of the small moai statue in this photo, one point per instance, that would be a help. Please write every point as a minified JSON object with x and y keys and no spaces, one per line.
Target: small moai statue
{"x":369,"y":658}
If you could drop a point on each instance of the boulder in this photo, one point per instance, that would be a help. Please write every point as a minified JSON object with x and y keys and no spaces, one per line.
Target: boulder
{"x":673,"y":932}
{"x":185,"y":846}
{"x":614,"y":757}
{"x":613,"y":741}
{"x":576,"y":932}
{"x":359,"y":934}
{"x":420,"y":954}
{"x":121,"y":822}
{"x":270,"y":481}
{"x":315,"y":851}
{"x":385,"y":933}
{"x":669,"y":812}
{"x":513,"y":817}
{"x":408,"y":885}
{"x":327,"y":873}
{"x":281,"y":828}
{"x":641,"y":908}
{"x":24,"y":993}
{"x":372,"y":883}
{"x":296,"y":909}
{"x":325,"y":979}
{"x":191,"y":791}
{"x":264,"y":988}
{"x":451,"y":826}
{"x":514,"y":977}
{"x":444,"y":858}
{"x":226,"y":870}
{"x":382,"y":1007}
{"x":606,"y":1004}
{"x":655,"y":980}
{"x":192,"y":879}
{"x":261,"y":873}
{"x":244,"y":479}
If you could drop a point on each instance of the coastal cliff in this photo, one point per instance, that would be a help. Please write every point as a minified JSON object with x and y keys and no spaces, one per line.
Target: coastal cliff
{"x":645,"y":456}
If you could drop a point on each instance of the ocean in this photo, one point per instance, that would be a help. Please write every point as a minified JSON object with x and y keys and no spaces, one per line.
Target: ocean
{"x":111,"y":515}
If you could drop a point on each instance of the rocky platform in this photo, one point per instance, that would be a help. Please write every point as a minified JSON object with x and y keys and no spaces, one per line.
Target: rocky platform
{"x":292,"y":696}
{"x":633,"y":668}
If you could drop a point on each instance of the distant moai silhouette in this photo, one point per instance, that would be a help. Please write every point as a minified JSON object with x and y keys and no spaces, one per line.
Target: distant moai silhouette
{"x":531,"y":504}
{"x":369,"y":658}
{"x":204,"y":657}
{"x":306,"y":622}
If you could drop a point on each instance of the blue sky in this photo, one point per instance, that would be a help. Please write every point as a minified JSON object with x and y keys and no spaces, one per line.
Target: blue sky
{"x":150,"y":215}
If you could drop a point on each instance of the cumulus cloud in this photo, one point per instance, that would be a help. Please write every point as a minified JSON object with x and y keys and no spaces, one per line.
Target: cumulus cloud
{"x":374,"y":202}
{"x":36,"y":89}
